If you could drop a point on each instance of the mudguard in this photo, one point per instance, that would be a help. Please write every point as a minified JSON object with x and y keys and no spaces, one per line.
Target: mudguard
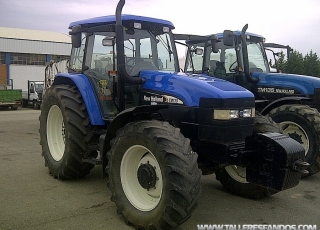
{"x":86,"y":90}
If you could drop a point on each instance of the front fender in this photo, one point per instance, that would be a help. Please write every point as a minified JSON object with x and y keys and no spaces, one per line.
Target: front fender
{"x":87,"y":93}
{"x":146,"y":112}
{"x":126,"y":116}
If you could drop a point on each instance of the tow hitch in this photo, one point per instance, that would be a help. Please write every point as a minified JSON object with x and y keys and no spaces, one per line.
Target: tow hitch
{"x":277,"y":161}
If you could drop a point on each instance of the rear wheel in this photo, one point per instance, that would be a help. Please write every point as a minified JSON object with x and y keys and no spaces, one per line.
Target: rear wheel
{"x":153,"y":175}
{"x":233,"y":178}
{"x":301,"y":123}
{"x":64,"y":126}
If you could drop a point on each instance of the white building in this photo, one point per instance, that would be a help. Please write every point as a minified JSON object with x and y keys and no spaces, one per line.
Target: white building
{"x":24,"y":54}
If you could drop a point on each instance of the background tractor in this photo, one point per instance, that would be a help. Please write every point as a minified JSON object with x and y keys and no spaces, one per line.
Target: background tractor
{"x":291,"y":100}
{"x":123,"y":105}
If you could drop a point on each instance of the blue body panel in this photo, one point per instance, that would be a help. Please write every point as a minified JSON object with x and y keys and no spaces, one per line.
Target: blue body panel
{"x":111,"y":19}
{"x":304,"y":84}
{"x":190,"y":87}
{"x":187,"y":87}
{"x":88,"y":95}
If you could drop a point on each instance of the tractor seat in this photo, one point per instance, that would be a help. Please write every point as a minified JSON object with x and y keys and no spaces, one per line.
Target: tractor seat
{"x":220,"y":70}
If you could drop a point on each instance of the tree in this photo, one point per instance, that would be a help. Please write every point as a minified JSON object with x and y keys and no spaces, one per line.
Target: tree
{"x":281,"y":62}
{"x":295,"y":63}
{"x":311,"y":64}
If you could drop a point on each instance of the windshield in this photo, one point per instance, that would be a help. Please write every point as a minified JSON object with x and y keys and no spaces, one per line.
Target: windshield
{"x":224,"y":62}
{"x":143,"y":50}
{"x":257,"y":60}
{"x":39,"y":86}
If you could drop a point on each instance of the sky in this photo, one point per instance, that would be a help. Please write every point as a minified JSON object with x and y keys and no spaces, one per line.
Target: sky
{"x":295,"y":23}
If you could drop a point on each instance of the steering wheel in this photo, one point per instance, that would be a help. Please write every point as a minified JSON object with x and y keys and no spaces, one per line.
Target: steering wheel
{"x":233,"y":69}
{"x":131,"y":62}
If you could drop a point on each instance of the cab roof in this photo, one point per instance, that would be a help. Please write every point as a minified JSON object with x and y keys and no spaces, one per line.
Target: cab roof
{"x":220,"y":36}
{"x":238,"y":33}
{"x":111,"y":19}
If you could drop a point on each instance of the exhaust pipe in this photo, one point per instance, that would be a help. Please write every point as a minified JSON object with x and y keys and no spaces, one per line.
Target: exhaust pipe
{"x":122,"y":72}
{"x":245,"y":57}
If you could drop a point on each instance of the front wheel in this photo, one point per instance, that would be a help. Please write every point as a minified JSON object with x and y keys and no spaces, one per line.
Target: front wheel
{"x":153,"y":175}
{"x":233,"y":178}
{"x":301,"y":123}
{"x":64,"y":127}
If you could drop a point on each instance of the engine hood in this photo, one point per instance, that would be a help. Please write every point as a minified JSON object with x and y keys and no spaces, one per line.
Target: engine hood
{"x":191,"y":87}
{"x":303,"y":84}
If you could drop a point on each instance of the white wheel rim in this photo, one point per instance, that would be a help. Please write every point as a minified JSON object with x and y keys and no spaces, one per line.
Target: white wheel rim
{"x":237,"y":173}
{"x":139,"y":197}
{"x":290,"y":128}
{"x":55,"y":133}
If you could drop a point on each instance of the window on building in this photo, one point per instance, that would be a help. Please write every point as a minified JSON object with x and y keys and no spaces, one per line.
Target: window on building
{"x":28,"y":59}
{"x":2,"y":58}
{"x":59,"y":57}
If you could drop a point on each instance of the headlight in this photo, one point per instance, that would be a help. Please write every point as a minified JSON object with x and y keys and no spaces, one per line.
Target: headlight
{"x":227,"y":114}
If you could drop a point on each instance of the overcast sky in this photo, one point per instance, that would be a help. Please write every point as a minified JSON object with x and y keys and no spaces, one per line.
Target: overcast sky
{"x":295,"y":23}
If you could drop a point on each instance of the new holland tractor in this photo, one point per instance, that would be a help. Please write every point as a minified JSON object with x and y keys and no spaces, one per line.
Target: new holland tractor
{"x":292,"y":101}
{"x":124,"y":105}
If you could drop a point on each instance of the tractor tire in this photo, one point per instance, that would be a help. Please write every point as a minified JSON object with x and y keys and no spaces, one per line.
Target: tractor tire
{"x":153,"y":175}
{"x":301,"y":123}
{"x":233,"y":178}
{"x":64,"y":127}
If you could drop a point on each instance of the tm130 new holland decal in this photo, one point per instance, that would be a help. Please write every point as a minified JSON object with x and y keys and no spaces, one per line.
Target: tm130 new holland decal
{"x":275,"y":90}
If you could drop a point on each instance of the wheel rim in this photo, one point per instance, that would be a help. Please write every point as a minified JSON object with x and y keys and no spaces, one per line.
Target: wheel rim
{"x":55,"y":133}
{"x":141,"y":198}
{"x":237,"y":173}
{"x":297,"y":133}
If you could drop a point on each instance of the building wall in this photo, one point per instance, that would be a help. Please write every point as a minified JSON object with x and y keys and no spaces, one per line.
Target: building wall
{"x":20,"y":74}
{"x":37,"y":47}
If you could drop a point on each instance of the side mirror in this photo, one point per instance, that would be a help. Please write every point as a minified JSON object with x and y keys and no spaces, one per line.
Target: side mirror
{"x":214,"y":41}
{"x":198,"y":51}
{"x":76,"y":40}
{"x":31,"y":89}
{"x":108,"y":41}
{"x":76,"y":36}
{"x":228,"y":38}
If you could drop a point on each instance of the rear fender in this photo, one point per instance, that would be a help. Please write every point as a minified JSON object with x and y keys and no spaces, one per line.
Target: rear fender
{"x":87,"y":92}
{"x":283,"y":101}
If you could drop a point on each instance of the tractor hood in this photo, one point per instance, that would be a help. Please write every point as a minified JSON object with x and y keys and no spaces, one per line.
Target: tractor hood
{"x":189,"y":88}
{"x":298,"y":83}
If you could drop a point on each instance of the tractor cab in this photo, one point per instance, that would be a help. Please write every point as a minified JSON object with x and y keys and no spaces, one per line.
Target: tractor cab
{"x":229,"y":62}
{"x":144,"y":44}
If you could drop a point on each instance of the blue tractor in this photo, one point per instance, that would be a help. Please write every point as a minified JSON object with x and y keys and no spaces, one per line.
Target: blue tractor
{"x":124,"y":105}
{"x":293,"y":101}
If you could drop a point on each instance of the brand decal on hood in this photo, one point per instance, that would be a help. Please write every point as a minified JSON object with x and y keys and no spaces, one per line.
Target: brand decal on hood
{"x":155,"y":99}
{"x":274,"y":90}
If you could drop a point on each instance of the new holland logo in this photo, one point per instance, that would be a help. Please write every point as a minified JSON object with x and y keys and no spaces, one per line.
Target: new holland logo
{"x":155,"y":99}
